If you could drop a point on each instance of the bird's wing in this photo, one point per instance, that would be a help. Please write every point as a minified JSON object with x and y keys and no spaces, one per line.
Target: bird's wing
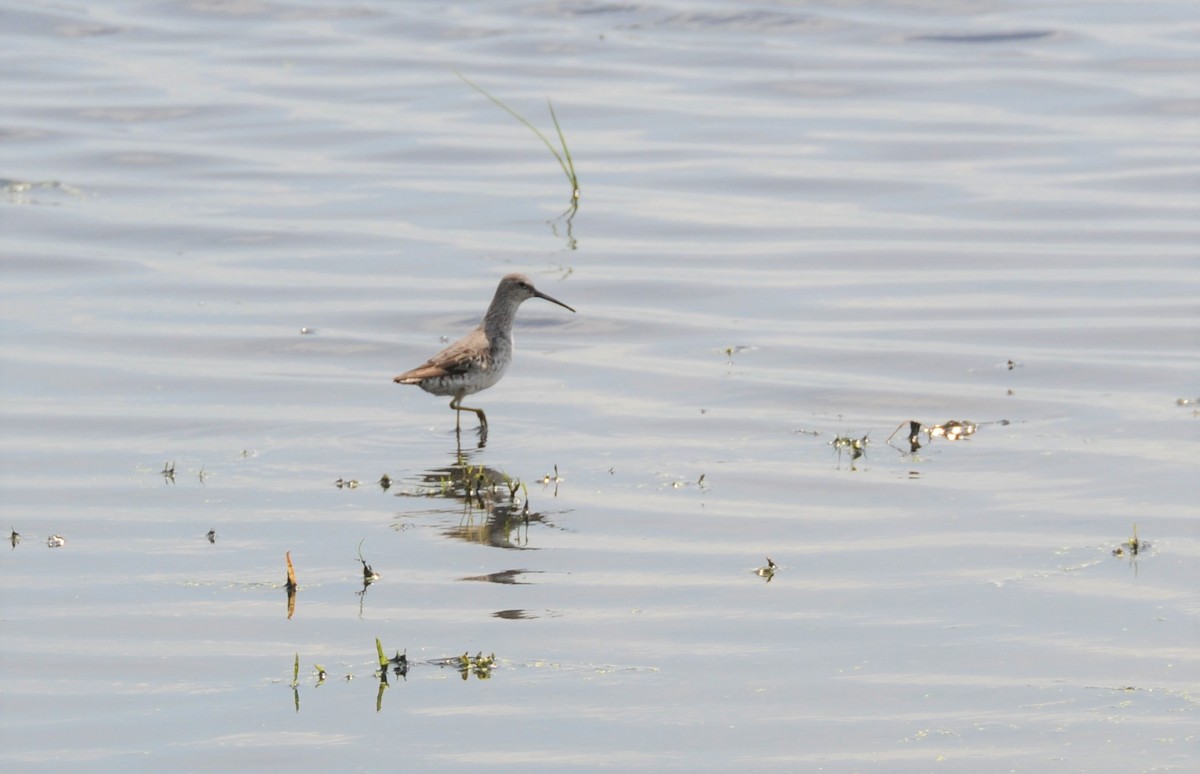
{"x":457,"y":358}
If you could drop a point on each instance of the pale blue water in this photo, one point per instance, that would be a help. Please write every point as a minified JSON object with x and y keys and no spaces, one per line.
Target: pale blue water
{"x":797,"y":222}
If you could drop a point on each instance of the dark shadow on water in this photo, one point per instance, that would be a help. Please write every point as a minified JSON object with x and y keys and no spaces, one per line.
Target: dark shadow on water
{"x":507,"y":577}
{"x":514,"y":615}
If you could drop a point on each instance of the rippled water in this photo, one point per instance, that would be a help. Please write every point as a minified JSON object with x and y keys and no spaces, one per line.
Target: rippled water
{"x":798,"y":223}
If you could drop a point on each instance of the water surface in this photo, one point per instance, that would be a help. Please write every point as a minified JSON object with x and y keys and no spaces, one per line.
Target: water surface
{"x":797,"y":224}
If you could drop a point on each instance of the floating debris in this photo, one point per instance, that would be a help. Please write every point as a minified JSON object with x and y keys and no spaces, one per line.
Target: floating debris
{"x":369,"y":575}
{"x":1131,"y":547}
{"x":342,"y":483}
{"x":12,"y":187}
{"x":951,"y":430}
{"x":168,"y":472}
{"x":14,"y":538}
{"x":211,"y":535}
{"x":735,"y":349}
{"x":767,"y":572}
{"x":552,"y":479}
{"x":857,"y":446}
{"x":56,"y":541}
{"x":307,"y":331}
{"x":399,"y":664}
{"x":291,"y":584}
{"x":385,"y":482}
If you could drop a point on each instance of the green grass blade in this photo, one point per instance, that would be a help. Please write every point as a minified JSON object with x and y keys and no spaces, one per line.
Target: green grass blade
{"x":567,"y":165}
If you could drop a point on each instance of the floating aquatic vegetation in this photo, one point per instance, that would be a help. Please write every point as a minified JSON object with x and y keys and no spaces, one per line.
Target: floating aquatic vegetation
{"x":398,"y":663}
{"x":479,"y":665}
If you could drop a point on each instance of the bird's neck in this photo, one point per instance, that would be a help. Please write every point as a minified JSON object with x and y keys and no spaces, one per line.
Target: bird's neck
{"x":498,"y":321}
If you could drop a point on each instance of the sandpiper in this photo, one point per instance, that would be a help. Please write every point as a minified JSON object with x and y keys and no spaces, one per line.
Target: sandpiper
{"x":477,"y":360}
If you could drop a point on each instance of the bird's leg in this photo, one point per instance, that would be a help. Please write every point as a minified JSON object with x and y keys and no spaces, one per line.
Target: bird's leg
{"x":456,"y":404}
